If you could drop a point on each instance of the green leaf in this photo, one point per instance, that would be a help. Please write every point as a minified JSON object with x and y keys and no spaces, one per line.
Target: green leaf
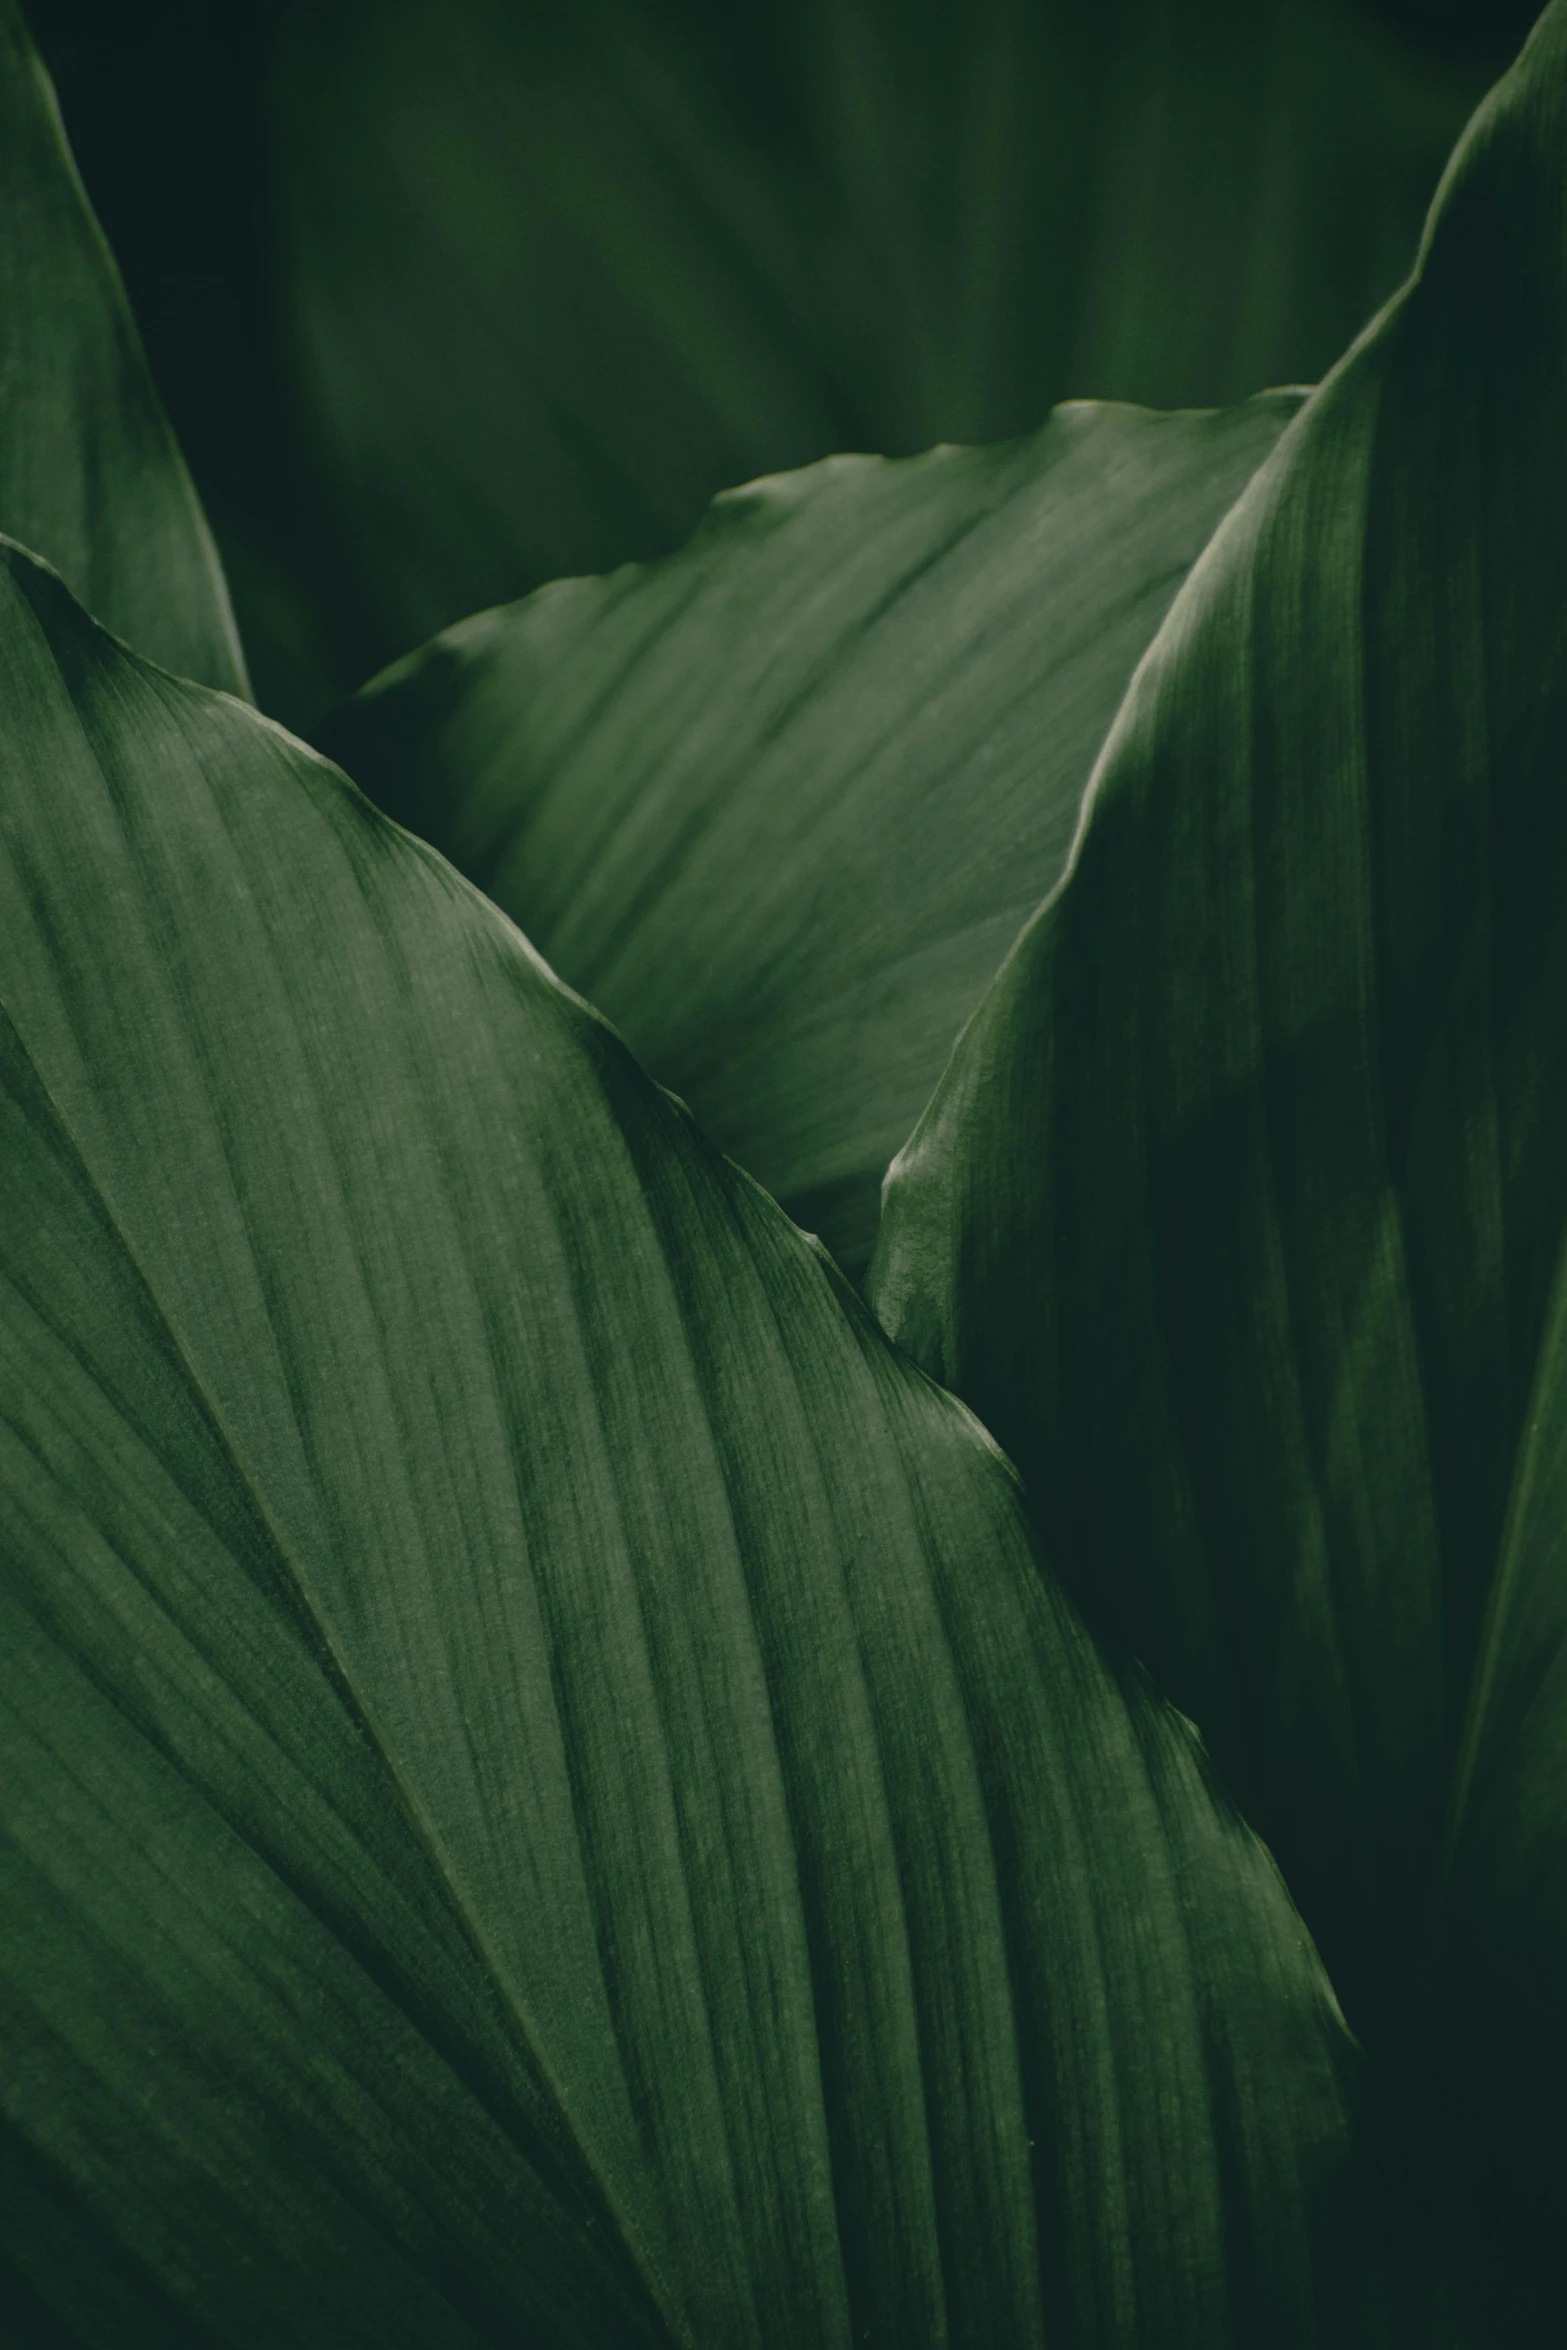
{"x":534,"y":1737}
{"x":89,"y":471}
{"x":1238,"y":1213}
{"x":557,"y":273}
{"x":779,"y":804}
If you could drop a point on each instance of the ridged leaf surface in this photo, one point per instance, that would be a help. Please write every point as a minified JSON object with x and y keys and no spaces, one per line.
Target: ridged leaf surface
{"x":779,"y":804}
{"x":549,"y":1793}
{"x":90,"y":474}
{"x":1239,"y":1213}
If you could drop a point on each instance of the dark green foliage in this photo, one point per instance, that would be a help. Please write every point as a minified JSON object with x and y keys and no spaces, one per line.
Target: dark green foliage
{"x":89,"y":472}
{"x":557,"y":273}
{"x":1238,"y":1213}
{"x":550,"y":1791}
{"x":778,"y":805}
{"x":526,"y":1719}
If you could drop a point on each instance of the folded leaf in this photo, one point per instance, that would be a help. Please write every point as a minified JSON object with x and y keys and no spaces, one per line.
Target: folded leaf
{"x":89,"y":470}
{"x":779,"y":804}
{"x":1238,"y":1210}
{"x":556,"y":273}
{"x":463,"y":1537}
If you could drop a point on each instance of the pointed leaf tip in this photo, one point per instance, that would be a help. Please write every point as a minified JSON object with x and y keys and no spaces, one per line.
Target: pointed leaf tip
{"x":90,"y":474}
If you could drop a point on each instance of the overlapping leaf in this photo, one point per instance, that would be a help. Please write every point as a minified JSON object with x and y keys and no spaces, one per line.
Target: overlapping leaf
{"x":548,"y":1793}
{"x":559,"y":272}
{"x":1239,"y":1212}
{"x":89,"y":471}
{"x":779,"y":804}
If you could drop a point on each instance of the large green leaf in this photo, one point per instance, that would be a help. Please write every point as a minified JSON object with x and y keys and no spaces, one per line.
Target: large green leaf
{"x":89,"y":470}
{"x":1238,"y":1212}
{"x":779,"y":804}
{"x":529,"y":1726}
{"x":559,"y":270}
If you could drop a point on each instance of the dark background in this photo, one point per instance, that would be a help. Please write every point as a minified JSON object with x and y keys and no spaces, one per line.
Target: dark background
{"x":447,"y":297}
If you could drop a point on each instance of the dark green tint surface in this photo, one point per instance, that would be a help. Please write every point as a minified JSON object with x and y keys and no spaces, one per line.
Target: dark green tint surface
{"x":548,"y":1794}
{"x":89,"y":471}
{"x":1238,"y":1214}
{"x":555,"y":271}
{"x":778,"y":805}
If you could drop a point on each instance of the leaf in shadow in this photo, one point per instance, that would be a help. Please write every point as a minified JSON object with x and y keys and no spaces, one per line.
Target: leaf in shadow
{"x":554,"y":275}
{"x":1237,"y":1214}
{"x":89,"y":470}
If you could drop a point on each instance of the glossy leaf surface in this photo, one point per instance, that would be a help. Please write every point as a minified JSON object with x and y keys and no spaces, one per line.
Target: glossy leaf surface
{"x":779,"y":804}
{"x":548,"y":1791}
{"x":89,"y":471}
{"x":1238,"y":1214}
